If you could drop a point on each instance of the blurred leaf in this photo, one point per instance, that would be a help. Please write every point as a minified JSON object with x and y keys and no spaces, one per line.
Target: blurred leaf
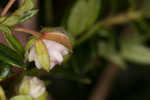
{"x":70,"y":75}
{"x":26,"y":6}
{"x":5,"y":71}
{"x":12,"y":41}
{"x":113,"y":56}
{"x":42,"y":55}
{"x":83,"y":16}
{"x":2,"y":19}
{"x":133,"y":4}
{"x":136,"y":53}
{"x":24,"y":13}
{"x":145,"y":7}
{"x":22,"y":97}
{"x":10,"y":57}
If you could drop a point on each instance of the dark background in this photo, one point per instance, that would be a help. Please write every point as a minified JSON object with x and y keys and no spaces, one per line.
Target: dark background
{"x":132,"y":83}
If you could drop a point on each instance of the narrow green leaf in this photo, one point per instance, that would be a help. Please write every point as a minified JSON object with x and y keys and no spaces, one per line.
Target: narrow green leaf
{"x":26,"y":6}
{"x":10,"y":57}
{"x":2,"y":19}
{"x":29,"y":14}
{"x":11,"y":20}
{"x":42,"y":54}
{"x":22,"y":97}
{"x":24,"y":13}
{"x":83,"y":16}
{"x":12,"y":41}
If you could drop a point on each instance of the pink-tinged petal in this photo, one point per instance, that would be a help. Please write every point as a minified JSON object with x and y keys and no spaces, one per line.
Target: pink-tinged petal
{"x":55,"y":46}
{"x":56,"y":57}
{"x":31,"y":54}
{"x":65,"y":52}
{"x":52,"y":64}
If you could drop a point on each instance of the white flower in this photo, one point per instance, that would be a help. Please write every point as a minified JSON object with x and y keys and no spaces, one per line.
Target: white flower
{"x":36,"y":86}
{"x":56,"y":52}
{"x":48,"y":49}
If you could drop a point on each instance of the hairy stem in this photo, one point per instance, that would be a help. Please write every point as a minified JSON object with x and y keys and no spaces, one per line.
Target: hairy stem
{"x":20,"y":29}
{"x":7,"y":7}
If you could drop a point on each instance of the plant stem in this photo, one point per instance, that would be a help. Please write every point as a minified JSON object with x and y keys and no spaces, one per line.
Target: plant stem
{"x":119,"y":19}
{"x":104,"y":84}
{"x":7,"y":7}
{"x":20,"y":29}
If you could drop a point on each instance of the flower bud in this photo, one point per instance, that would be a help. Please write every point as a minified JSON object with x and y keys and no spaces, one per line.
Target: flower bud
{"x":33,"y":87}
{"x":50,"y":49}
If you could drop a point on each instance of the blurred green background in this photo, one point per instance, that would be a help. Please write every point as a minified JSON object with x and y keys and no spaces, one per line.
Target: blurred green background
{"x":111,"y":48}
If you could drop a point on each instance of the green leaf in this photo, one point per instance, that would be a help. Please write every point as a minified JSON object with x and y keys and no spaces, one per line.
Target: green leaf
{"x":22,"y":97}
{"x":112,"y":55}
{"x":12,"y":20}
{"x":136,"y":53}
{"x":42,"y":54}
{"x":2,"y":19}
{"x":5,"y":70}
{"x":26,"y":6}
{"x":29,"y":14}
{"x":25,"y":12}
{"x":12,"y":41}
{"x":145,"y":7}
{"x":10,"y":57}
{"x":83,"y":16}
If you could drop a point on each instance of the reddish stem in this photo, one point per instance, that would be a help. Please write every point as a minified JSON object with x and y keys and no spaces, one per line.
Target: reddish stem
{"x":20,"y":29}
{"x":7,"y":7}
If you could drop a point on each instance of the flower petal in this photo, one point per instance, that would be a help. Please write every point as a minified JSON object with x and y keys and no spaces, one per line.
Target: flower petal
{"x":31,"y":54}
{"x":33,"y":57}
{"x":42,"y":54}
{"x":37,"y":87}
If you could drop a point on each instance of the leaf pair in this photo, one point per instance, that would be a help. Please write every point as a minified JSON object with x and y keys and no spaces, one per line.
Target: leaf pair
{"x":22,"y":14}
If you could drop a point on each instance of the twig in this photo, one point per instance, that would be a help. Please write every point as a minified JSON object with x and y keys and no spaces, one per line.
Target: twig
{"x":7,"y":7}
{"x":104,"y":84}
{"x":20,"y":29}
